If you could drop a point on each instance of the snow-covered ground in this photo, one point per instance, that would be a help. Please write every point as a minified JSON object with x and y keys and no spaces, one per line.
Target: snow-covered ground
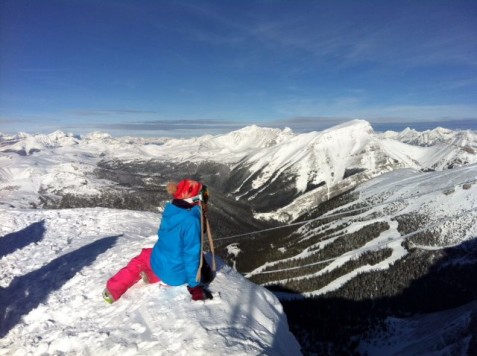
{"x":55,"y":263}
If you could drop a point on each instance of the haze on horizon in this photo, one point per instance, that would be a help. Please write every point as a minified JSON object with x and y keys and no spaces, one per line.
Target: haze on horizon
{"x":185,"y":68}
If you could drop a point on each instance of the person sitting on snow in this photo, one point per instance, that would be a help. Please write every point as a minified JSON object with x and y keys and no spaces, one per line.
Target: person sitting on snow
{"x":176,"y":258}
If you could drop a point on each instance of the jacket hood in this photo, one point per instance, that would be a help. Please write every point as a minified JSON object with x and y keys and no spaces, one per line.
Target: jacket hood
{"x":174,"y":215}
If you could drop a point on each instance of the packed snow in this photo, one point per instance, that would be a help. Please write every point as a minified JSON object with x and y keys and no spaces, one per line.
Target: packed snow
{"x":55,"y":264}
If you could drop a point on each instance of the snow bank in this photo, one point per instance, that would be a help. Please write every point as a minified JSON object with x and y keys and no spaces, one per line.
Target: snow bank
{"x":54,"y":265}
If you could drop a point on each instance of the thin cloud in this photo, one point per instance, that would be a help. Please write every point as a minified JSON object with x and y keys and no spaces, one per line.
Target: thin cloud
{"x":307,"y":124}
{"x":460,"y":124}
{"x":301,"y":106}
{"x":458,"y":84}
{"x":361,"y":106}
{"x":42,"y":70}
{"x":343,"y":39}
{"x":422,"y":112}
{"x":16,"y":119}
{"x":5,"y":121}
{"x":172,"y":125}
{"x":111,"y":112}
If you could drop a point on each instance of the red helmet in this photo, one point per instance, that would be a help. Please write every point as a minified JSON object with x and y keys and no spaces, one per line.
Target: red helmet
{"x":189,"y":190}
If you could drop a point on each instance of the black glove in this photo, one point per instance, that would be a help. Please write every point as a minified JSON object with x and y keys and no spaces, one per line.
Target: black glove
{"x":199,"y":293}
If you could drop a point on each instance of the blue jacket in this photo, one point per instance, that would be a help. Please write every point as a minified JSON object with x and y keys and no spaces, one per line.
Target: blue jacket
{"x":176,"y":255}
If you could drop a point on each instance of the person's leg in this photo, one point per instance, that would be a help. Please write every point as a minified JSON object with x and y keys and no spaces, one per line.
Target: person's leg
{"x":129,"y":275}
{"x":148,"y":274}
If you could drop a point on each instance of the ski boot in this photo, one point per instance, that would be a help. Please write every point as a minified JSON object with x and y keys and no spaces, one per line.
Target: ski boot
{"x":108,"y":298}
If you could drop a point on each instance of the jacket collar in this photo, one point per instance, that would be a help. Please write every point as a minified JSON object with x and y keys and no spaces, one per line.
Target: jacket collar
{"x":182,"y":204}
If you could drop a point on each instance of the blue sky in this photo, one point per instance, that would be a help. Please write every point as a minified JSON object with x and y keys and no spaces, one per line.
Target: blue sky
{"x":181,"y":68}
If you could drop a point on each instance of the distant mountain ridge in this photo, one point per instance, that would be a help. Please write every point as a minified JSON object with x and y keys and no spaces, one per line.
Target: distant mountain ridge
{"x":435,"y":136}
{"x":306,"y":169}
{"x":249,"y":137}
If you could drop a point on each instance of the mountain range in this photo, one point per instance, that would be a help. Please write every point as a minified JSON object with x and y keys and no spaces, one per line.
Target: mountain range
{"x":374,"y":232}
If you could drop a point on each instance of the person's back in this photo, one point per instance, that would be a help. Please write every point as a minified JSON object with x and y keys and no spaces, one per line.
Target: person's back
{"x":176,"y":255}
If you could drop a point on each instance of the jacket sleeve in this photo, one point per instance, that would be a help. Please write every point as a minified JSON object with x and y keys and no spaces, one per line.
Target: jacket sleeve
{"x":192,"y":249}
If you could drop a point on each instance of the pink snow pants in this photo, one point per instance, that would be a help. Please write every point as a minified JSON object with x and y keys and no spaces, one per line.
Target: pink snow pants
{"x":129,"y":275}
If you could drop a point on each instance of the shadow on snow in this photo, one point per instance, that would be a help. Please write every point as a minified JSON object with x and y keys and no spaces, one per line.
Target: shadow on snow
{"x":26,"y":292}
{"x":20,"y":239}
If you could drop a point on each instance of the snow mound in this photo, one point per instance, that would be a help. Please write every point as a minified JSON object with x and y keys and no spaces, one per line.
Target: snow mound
{"x":55,"y":265}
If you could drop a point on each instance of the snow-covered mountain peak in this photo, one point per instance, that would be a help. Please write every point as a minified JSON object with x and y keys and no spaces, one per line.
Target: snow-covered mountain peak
{"x":311,"y":159}
{"x":21,"y":135}
{"x":97,"y":136}
{"x":355,"y":133}
{"x":408,"y":131}
{"x":352,"y":125}
{"x":55,"y":139}
{"x":229,"y":147}
{"x":438,"y":135}
{"x":254,"y":137}
{"x":57,"y":135}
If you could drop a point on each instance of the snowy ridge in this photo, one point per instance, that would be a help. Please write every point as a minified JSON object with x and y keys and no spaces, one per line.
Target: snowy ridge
{"x":236,"y":145}
{"x":324,"y":160}
{"x":28,"y":144}
{"x":435,"y":136}
{"x":329,"y":150}
{"x":247,"y":138}
{"x":55,"y":264}
{"x":321,"y":165}
{"x":315,"y":166}
{"x":437,"y":157}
